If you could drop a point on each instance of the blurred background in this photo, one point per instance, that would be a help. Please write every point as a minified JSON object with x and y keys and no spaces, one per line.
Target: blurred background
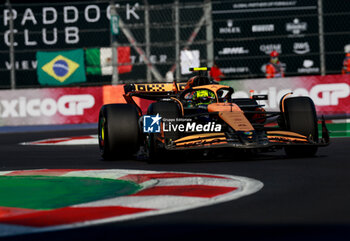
{"x":159,"y":40}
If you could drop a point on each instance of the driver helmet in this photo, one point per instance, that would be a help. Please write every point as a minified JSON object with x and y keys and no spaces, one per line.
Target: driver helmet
{"x":197,"y":81}
{"x":203,"y":97}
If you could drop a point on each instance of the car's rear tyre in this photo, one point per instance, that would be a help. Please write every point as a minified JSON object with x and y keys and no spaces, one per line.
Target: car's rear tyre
{"x":166,"y":110}
{"x":300,"y":117}
{"x":118,"y":131}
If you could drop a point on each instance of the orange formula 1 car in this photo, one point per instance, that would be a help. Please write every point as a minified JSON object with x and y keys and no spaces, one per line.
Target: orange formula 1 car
{"x":201,"y":114}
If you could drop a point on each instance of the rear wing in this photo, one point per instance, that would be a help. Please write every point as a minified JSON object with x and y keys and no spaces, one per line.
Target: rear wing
{"x":151,"y":92}
{"x":159,"y":87}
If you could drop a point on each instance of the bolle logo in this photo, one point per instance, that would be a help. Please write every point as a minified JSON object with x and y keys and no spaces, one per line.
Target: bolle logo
{"x":301,"y":48}
{"x":67,"y":105}
{"x":233,"y":50}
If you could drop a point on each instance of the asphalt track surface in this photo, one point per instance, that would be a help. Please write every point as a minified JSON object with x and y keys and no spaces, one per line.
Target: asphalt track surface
{"x":302,"y":198}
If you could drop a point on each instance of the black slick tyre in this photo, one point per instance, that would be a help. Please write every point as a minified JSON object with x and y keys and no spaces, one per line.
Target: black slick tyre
{"x":118,"y":131}
{"x":168,"y":110}
{"x":300,"y":117}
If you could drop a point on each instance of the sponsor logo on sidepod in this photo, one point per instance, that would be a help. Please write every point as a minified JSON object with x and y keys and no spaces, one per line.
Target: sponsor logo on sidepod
{"x":67,"y":105}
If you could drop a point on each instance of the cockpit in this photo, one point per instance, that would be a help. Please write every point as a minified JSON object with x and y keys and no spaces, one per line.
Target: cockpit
{"x":205,"y":96}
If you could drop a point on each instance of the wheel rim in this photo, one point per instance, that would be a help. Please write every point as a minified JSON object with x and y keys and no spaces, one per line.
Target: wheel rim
{"x":101,"y":135}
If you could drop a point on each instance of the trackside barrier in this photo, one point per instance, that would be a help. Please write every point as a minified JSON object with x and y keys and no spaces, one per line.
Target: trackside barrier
{"x":54,"y":106}
{"x":330,"y":93}
{"x":49,"y":106}
{"x":75,"y":105}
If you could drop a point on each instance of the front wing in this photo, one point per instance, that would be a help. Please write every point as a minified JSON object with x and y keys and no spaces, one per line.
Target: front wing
{"x":243,"y":141}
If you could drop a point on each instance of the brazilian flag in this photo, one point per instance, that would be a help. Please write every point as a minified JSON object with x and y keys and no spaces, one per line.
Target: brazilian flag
{"x":61,"y":68}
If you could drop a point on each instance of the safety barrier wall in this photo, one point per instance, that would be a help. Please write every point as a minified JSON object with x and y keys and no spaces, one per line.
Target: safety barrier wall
{"x":52,"y":106}
{"x":75,"y":105}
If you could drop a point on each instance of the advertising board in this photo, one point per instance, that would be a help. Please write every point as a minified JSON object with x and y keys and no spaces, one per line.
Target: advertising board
{"x":50,"y":106}
{"x":247,"y":32}
{"x":330,"y":93}
{"x":55,"y":106}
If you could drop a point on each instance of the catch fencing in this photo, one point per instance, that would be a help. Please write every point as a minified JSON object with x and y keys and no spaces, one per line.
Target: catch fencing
{"x":166,"y":38}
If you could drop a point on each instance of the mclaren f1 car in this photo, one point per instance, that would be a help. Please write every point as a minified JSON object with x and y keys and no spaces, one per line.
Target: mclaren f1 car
{"x":202,"y":115}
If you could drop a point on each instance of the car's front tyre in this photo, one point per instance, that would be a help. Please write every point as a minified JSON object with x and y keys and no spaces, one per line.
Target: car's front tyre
{"x":300,"y":117}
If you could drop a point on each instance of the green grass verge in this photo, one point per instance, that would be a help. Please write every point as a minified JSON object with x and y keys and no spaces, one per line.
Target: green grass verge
{"x":50,"y":192}
{"x":336,"y":129}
